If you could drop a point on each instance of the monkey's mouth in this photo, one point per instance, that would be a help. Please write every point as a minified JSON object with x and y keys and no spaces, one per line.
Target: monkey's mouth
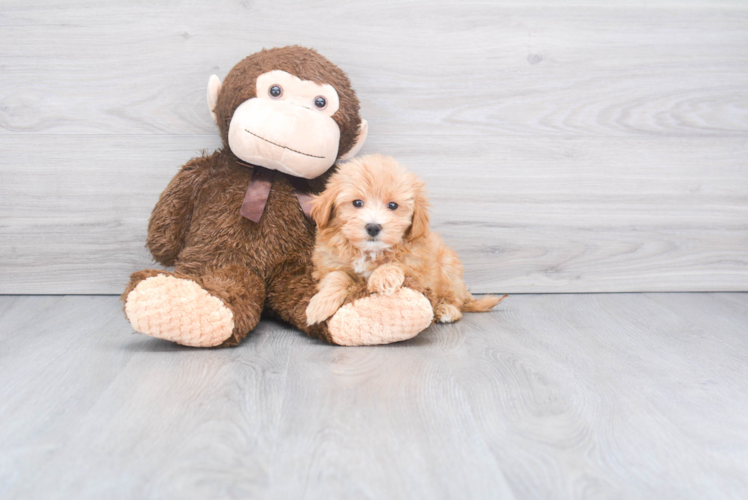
{"x":284,"y":147}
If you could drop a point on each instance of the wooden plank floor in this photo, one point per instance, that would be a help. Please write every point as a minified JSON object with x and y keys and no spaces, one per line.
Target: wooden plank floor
{"x":551,"y":396}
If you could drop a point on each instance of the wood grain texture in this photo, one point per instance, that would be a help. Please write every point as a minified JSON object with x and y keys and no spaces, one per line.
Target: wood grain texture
{"x":551,"y":396}
{"x":530,"y":224}
{"x":463,"y":68}
{"x":585,"y":147}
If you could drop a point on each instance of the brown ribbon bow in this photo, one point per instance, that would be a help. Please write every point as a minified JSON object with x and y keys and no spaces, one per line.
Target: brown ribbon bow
{"x":259,"y":190}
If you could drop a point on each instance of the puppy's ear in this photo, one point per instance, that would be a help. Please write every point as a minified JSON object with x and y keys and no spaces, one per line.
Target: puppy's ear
{"x":324,"y":204}
{"x":419,"y":227}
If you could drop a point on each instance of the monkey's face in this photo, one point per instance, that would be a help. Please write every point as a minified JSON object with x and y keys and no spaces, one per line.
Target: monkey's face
{"x":288,"y":126}
{"x":288,"y":109}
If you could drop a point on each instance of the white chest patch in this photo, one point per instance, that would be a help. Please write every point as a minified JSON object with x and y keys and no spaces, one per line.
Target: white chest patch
{"x":370,"y":253}
{"x":365,"y":264}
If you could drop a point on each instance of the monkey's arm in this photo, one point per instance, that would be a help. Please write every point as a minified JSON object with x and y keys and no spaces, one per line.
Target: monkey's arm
{"x":170,"y":220}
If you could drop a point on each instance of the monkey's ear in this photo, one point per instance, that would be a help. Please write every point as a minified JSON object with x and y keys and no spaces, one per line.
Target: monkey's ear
{"x":363,"y":131}
{"x":324,"y":204}
{"x":214,"y":87}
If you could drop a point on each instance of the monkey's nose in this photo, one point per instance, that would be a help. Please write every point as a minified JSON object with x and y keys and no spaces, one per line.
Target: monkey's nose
{"x":373,"y":229}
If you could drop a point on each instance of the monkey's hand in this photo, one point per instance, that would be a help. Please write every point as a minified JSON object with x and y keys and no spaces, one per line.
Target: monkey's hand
{"x":386,"y":279}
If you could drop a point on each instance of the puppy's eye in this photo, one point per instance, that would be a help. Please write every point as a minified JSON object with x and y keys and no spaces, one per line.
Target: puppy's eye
{"x":392,"y":205}
{"x":358,"y":203}
{"x":275,"y":91}
{"x":320,"y":102}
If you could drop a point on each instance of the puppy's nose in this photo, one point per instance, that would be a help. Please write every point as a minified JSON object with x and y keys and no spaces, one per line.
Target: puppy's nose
{"x":373,"y":229}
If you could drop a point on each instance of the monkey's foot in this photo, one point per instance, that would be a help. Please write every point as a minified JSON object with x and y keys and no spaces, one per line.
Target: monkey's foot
{"x":381,"y":319}
{"x":178,"y":310}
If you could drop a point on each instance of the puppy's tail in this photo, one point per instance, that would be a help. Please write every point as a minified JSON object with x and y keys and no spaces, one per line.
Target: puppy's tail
{"x":483,"y":304}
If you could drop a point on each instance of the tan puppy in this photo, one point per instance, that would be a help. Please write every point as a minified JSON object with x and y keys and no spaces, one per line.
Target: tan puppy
{"x":373,"y":228}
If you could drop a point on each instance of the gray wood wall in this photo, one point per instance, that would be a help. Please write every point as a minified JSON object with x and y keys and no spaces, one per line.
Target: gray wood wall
{"x":599,"y":146}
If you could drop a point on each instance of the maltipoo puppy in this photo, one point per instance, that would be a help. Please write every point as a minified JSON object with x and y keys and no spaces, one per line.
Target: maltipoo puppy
{"x":373,"y":230}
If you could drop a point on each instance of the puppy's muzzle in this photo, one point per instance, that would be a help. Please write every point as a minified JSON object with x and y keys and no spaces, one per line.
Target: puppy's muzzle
{"x":373,"y":229}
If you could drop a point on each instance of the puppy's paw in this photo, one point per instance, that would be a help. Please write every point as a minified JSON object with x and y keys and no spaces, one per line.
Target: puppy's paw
{"x":386,"y":279}
{"x":447,"y":313}
{"x":321,"y":307}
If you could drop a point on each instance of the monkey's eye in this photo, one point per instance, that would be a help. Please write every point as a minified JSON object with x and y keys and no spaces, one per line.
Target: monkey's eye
{"x":275,"y":91}
{"x":392,"y":205}
{"x":320,"y":102}
{"x":358,"y":203}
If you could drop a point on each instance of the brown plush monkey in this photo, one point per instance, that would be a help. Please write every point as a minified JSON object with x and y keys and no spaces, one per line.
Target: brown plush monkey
{"x":233,"y":223}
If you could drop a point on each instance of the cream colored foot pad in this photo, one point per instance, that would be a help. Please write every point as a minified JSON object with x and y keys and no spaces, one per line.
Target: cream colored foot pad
{"x":178,"y":310}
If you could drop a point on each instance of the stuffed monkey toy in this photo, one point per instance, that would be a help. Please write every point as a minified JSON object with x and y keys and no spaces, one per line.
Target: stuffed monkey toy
{"x":235,"y":224}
